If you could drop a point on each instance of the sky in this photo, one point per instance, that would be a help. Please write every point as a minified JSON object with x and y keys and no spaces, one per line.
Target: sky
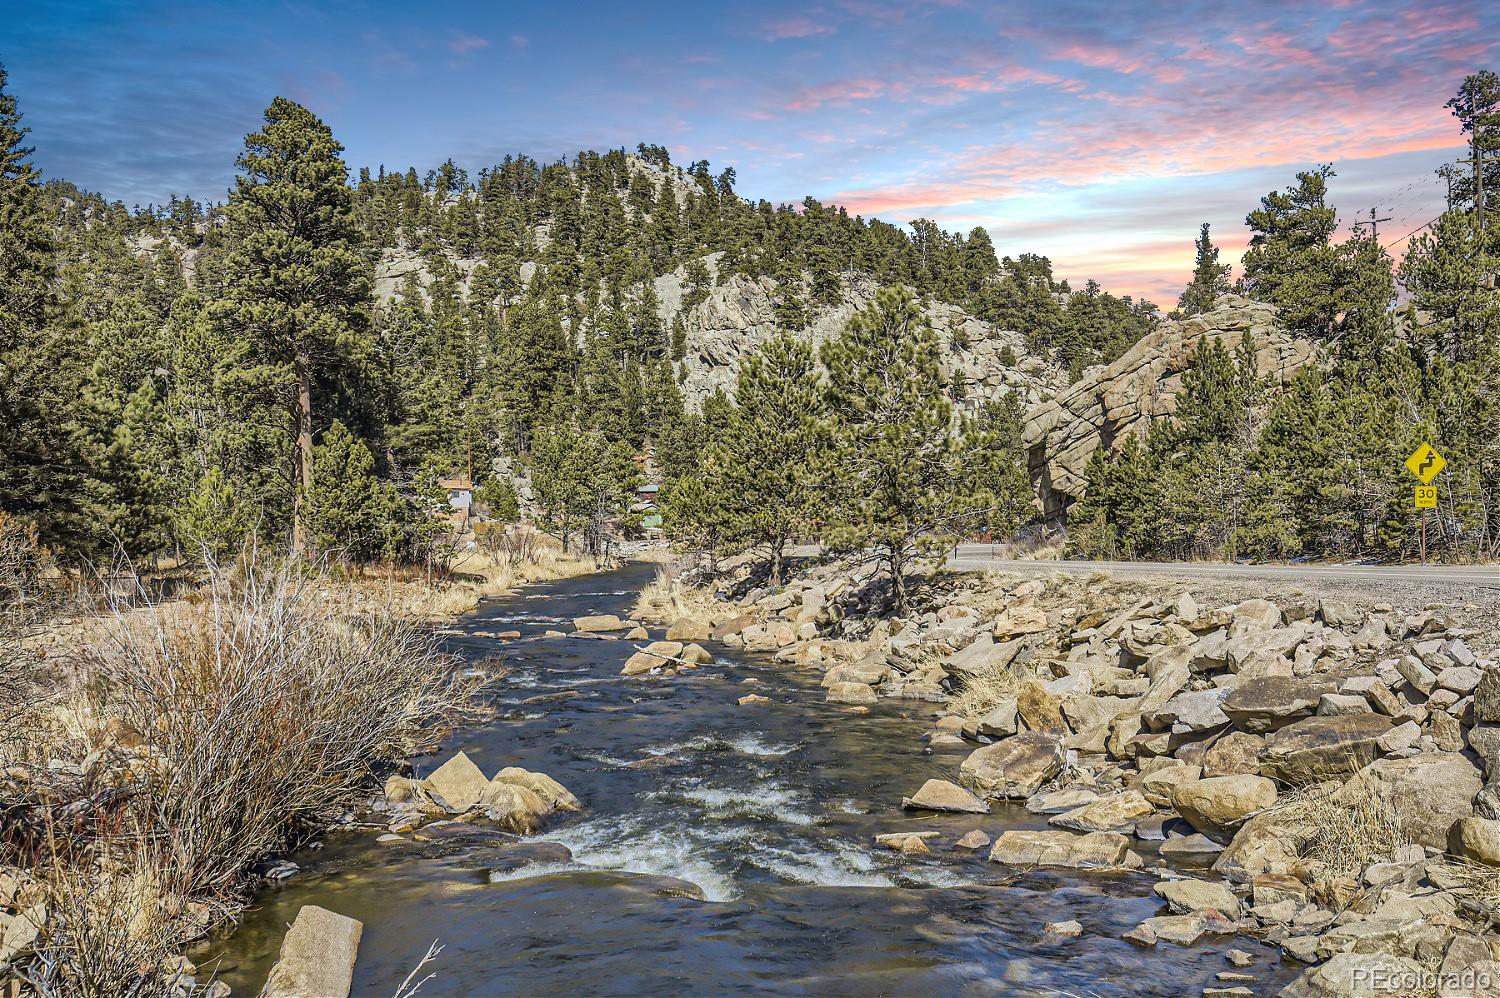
{"x":1098,"y":133}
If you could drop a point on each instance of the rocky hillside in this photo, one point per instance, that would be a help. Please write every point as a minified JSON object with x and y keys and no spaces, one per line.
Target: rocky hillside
{"x":1125,"y":397}
{"x":980,"y":361}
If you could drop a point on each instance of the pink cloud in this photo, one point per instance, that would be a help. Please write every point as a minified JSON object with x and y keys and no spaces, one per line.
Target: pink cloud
{"x":794,"y":27}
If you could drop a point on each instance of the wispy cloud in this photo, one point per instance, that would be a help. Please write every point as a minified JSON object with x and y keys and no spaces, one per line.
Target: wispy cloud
{"x":795,"y":27}
{"x":461,"y":43}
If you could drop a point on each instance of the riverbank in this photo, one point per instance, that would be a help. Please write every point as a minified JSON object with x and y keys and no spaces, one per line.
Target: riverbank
{"x":244,"y":718}
{"x":727,"y":842}
{"x":1328,"y":759}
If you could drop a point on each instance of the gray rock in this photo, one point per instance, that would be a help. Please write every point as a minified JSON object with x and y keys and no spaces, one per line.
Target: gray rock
{"x":459,"y":782}
{"x":1218,"y":804}
{"x":1358,"y":975}
{"x":1416,"y":672}
{"x":1116,"y":813}
{"x":1337,"y":704}
{"x":1272,"y":702}
{"x":317,"y":956}
{"x":1064,"y":849}
{"x":1322,"y":748}
{"x":1461,"y":679}
{"x":1014,"y":767}
{"x":1184,"y":896}
{"x":855,"y":693}
{"x":1476,"y":839}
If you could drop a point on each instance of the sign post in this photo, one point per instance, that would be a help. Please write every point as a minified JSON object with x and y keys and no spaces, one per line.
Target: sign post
{"x":1425,"y":463}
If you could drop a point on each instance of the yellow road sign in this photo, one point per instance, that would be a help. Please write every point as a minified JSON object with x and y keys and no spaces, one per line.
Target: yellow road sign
{"x":1426,"y":463}
{"x":1425,"y":497}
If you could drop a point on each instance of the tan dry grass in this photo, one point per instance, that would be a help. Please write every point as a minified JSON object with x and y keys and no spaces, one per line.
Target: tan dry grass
{"x":667,"y":598}
{"x":498,"y":563}
{"x":198,"y":737}
{"x":983,"y":690}
{"x":1341,"y":835}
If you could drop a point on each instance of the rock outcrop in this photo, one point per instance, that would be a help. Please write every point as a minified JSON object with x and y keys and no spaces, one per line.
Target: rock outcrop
{"x":1141,"y":386}
{"x":979,"y":361}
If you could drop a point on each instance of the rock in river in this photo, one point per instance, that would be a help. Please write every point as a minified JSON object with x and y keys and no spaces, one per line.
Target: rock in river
{"x":459,"y":782}
{"x":1014,"y":767}
{"x":1107,"y":850}
{"x":940,"y":795}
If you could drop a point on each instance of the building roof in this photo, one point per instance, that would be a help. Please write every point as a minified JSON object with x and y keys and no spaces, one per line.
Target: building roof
{"x":455,"y":484}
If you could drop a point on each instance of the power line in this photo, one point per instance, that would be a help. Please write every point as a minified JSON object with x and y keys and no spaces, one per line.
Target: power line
{"x":1412,"y":232}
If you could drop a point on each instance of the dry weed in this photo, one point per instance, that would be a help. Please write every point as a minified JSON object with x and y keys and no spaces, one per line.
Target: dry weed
{"x":985,"y":689}
{"x":668,"y":597}
{"x":1341,"y":834}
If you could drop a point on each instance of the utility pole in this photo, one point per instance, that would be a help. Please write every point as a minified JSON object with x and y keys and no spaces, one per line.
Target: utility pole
{"x":1375,"y":225}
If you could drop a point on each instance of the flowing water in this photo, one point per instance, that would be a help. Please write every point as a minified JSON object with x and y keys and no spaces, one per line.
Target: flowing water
{"x":770,"y":809}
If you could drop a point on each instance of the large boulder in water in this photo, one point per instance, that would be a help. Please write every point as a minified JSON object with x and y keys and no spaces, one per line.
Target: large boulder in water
{"x":940,"y":795}
{"x":598,"y":623}
{"x":655,"y":655}
{"x":1100,"y":850}
{"x":459,"y":782}
{"x":317,"y":956}
{"x":1014,"y":767}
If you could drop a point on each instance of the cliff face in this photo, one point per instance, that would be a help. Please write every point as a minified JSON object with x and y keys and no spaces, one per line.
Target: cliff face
{"x":739,"y":315}
{"x":1140,"y":387}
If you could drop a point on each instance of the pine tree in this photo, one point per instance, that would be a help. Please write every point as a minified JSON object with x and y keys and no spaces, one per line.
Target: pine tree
{"x":899,"y":485}
{"x":1210,"y":277}
{"x":351,"y":511}
{"x":41,"y":468}
{"x":297,"y":285}
{"x":771,"y":460}
{"x":214,"y":520}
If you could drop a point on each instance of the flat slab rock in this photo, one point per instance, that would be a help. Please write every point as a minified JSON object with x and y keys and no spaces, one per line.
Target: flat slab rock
{"x":940,"y":795}
{"x":1316,"y":749}
{"x":1117,"y":813}
{"x":1096,"y":850}
{"x":317,"y":956}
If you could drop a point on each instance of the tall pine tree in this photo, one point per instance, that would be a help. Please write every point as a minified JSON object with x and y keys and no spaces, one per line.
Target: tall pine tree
{"x":296,"y":284}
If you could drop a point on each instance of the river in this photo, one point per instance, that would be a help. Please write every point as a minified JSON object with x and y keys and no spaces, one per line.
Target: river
{"x":769,"y":808}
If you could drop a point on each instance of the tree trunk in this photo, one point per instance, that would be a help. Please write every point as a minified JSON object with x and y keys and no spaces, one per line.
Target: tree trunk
{"x":777,"y":547}
{"x":302,"y":456}
{"x":898,"y":578}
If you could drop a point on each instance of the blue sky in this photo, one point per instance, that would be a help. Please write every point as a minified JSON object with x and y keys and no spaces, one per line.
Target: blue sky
{"x":1096,"y":134}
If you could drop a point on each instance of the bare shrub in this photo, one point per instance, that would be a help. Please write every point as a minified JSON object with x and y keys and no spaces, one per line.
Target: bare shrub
{"x":111,"y":931}
{"x":258,"y":708}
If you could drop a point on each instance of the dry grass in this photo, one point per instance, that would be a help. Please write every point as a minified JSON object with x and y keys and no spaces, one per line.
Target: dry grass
{"x":1340,"y":835}
{"x":668,"y":597}
{"x":498,"y":563}
{"x":1480,"y":879}
{"x":985,"y":689}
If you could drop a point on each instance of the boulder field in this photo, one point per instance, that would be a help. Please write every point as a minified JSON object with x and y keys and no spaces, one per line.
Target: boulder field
{"x":1330,"y":767}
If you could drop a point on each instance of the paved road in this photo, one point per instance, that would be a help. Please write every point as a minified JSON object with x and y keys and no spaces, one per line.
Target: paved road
{"x":979,"y":557}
